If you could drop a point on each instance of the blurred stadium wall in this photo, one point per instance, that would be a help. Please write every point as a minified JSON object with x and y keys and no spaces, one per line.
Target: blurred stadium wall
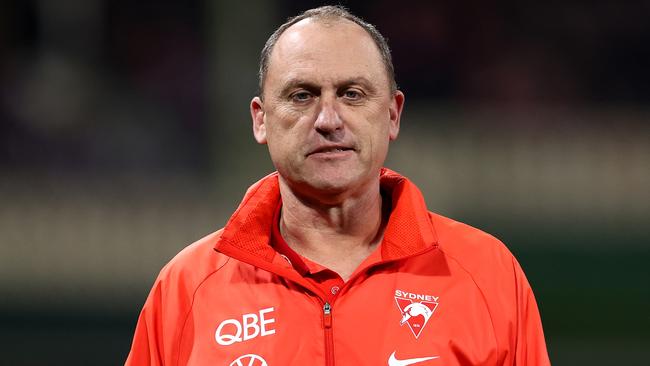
{"x":125,"y":135}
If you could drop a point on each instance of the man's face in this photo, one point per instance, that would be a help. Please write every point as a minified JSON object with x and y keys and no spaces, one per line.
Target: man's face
{"x":328,"y":112}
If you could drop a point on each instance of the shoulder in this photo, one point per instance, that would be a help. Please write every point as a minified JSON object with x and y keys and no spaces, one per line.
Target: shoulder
{"x":478,"y":252}
{"x":487,"y":262}
{"x":192,"y":265}
{"x":505,"y":290}
{"x":484,"y":259}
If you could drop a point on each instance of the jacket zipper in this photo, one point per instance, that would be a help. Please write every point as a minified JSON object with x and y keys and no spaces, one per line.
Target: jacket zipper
{"x":327,"y":312}
{"x":329,"y":339}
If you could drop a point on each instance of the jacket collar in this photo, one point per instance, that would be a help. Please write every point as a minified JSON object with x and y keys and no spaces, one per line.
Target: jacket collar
{"x":247,"y":235}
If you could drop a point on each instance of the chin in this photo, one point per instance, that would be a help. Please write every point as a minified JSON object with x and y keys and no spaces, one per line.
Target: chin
{"x":330,"y":187}
{"x":320,"y":181}
{"x":336,"y":182}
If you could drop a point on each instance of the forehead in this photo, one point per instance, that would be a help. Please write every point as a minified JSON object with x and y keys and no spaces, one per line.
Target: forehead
{"x":326,"y":50}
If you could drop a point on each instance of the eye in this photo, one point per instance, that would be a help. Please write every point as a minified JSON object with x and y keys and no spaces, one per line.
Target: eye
{"x":301,"y":96}
{"x":353,"y":94}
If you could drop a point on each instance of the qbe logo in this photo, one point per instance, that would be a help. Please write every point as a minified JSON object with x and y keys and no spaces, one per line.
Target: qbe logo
{"x":249,"y":360}
{"x":251,"y":325}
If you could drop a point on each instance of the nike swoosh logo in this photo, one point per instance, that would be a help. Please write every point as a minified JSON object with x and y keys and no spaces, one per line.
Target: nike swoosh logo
{"x":392,"y":361}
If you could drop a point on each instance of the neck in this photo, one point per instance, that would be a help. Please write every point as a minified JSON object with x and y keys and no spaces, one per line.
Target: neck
{"x":339,"y":234}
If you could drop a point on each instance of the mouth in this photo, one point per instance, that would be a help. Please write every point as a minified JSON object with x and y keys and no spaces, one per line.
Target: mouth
{"x":330,"y":150}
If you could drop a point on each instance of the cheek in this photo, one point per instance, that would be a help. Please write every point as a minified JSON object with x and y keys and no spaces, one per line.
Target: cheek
{"x":283,"y":141}
{"x":377,"y":136}
{"x":380,"y":147}
{"x":289,"y":114}
{"x":284,"y":121}
{"x":277,"y":123}
{"x":378,"y":124}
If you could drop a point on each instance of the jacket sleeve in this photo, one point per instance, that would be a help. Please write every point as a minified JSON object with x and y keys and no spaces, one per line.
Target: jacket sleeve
{"x":147,"y":347}
{"x":530,"y":347}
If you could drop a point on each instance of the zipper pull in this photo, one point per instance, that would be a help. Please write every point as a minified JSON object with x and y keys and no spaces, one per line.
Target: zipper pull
{"x":327,"y":315}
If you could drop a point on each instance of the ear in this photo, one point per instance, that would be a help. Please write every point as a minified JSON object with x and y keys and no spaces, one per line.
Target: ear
{"x":259,"y":125}
{"x":395,"y":111}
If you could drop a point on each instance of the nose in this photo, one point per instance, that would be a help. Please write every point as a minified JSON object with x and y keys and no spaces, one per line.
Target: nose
{"x":328,"y":120}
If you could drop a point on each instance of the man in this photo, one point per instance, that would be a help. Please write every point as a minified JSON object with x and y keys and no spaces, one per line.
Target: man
{"x":334,"y":259}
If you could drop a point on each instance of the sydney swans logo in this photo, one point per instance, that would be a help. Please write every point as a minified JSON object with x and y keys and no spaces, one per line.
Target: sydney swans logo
{"x":416,"y":309}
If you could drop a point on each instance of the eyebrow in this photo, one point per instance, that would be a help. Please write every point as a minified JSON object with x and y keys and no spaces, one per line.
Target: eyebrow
{"x":294,"y":83}
{"x":303,"y":83}
{"x":365,"y":83}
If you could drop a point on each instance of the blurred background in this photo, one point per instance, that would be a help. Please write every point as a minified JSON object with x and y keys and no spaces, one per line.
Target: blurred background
{"x":125,"y":135}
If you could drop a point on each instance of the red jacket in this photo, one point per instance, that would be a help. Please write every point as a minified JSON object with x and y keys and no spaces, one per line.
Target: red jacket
{"x":436,"y":292}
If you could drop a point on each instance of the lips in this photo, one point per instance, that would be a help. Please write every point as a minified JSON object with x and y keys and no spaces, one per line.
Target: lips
{"x":330,"y":149}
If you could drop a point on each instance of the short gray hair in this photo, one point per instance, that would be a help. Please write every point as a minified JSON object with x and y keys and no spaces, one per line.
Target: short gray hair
{"x":329,"y":12}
